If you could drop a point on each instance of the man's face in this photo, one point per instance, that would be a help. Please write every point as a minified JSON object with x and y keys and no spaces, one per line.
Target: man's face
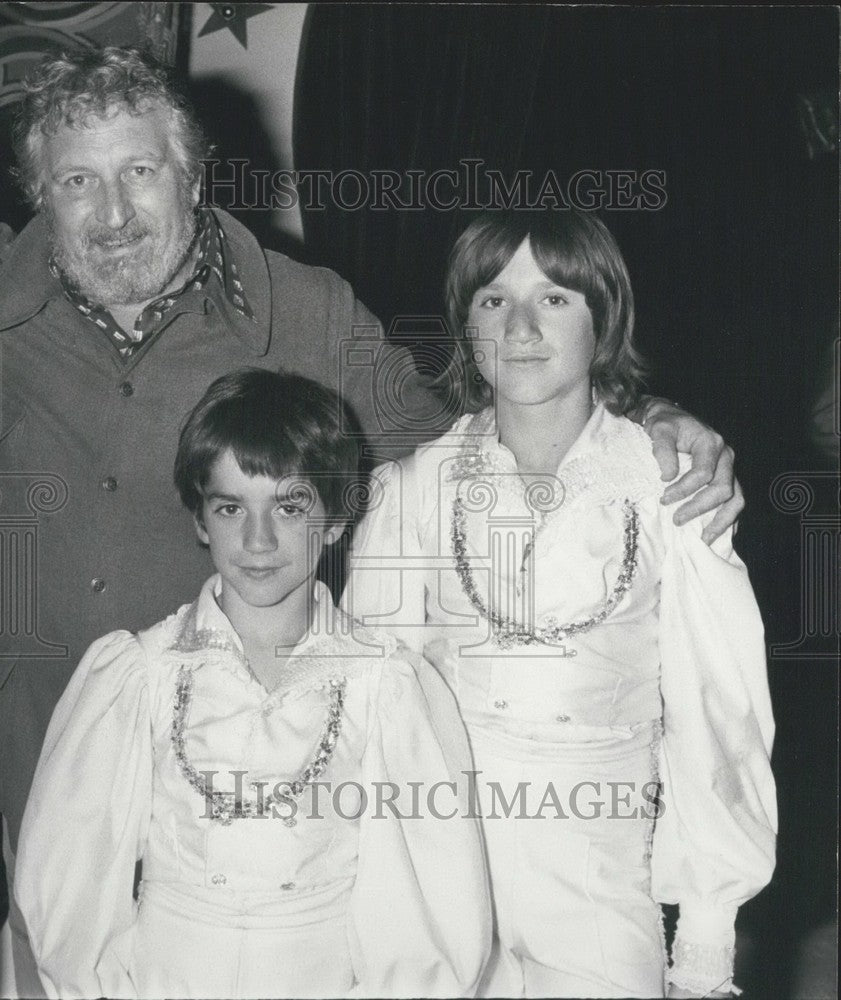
{"x":119,"y":209}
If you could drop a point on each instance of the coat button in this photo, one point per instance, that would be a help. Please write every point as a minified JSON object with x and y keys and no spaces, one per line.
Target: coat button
{"x":97,"y":585}
{"x":288,"y":885}
{"x":218,"y":879}
{"x":126,"y":389}
{"x":561,"y":718}
{"x":501,"y":704}
{"x":109,"y":484}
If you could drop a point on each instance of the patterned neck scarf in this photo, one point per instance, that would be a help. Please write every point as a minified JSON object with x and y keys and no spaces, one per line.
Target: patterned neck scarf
{"x":214,"y":263}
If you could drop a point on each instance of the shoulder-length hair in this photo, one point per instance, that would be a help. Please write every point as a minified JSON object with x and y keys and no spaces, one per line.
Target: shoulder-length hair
{"x":575,"y":250}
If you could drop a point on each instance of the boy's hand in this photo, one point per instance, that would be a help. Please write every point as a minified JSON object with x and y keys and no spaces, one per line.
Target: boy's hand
{"x":672,"y":430}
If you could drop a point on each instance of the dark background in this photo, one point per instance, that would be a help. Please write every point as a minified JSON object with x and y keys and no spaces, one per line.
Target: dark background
{"x":736,"y":277}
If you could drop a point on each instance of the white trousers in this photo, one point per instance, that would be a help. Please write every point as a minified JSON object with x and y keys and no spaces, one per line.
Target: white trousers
{"x":572,"y":905}
{"x":189,"y":943}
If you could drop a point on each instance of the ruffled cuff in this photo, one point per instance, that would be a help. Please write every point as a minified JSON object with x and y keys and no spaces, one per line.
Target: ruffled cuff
{"x":704,"y":950}
{"x":702,"y":968}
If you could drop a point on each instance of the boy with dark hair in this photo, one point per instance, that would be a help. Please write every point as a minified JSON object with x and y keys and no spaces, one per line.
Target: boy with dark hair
{"x":180,"y":742}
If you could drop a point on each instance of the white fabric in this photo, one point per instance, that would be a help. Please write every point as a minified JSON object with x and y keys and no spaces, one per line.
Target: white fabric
{"x":574,"y":914}
{"x":687,"y":636}
{"x":256,"y":907}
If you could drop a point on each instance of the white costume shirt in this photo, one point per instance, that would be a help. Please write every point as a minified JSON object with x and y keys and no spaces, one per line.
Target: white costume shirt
{"x":684,"y":643}
{"x":111,"y":788}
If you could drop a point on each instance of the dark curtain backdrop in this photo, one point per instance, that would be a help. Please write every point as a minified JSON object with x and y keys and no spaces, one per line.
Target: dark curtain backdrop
{"x":405,"y":87}
{"x":707,"y":95}
{"x":736,"y":277}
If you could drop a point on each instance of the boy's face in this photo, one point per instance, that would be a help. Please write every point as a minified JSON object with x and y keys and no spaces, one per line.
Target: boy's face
{"x":543,"y":333}
{"x":265,"y":535}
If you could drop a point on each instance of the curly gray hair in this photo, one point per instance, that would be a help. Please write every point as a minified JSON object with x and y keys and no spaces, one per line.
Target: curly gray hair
{"x":69,"y":88}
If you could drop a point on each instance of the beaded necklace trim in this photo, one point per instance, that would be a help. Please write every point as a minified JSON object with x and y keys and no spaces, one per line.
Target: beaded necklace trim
{"x":312,"y":665}
{"x":508,"y":632}
{"x":224,"y":807}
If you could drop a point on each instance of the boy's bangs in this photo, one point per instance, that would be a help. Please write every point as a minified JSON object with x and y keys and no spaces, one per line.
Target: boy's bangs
{"x":288,"y":456}
{"x":561,"y":251}
{"x":567,"y":261}
{"x":251,"y":435}
{"x":277,"y":460}
{"x":491,"y":254}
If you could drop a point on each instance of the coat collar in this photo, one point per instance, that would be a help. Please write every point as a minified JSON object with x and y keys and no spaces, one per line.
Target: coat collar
{"x":25,"y":275}
{"x":28,"y":284}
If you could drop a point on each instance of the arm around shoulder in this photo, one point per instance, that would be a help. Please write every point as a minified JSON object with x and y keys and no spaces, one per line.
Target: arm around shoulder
{"x":709,"y":482}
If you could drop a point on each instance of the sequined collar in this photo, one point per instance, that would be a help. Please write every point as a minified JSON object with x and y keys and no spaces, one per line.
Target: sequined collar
{"x":611,"y":460}
{"x":205,"y":626}
{"x":480,"y":436}
{"x":334,"y":646}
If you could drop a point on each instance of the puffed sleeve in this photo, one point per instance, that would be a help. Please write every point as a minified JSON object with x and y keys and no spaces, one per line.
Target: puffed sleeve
{"x":714,"y":843}
{"x":85,"y":824}
{"x":386,"y":587}
{"x":420,"y":921}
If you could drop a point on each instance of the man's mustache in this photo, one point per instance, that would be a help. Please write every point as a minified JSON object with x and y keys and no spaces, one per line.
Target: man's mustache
{"x":109,"y":238}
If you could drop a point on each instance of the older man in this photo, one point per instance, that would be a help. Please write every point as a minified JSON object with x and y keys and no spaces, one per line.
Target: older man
{"x":119,"y":304}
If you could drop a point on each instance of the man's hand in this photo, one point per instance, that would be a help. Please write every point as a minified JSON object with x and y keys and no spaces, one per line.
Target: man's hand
{"x":672,"y":430}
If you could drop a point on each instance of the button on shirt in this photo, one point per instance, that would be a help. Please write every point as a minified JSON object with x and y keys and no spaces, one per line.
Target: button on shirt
{"x":564,"y":566}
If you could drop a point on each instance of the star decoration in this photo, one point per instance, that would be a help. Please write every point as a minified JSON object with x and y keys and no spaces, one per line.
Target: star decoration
{"x":234,"y":17}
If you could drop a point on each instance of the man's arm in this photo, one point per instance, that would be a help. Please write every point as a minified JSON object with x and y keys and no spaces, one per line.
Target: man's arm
{"x":711,"y":478}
